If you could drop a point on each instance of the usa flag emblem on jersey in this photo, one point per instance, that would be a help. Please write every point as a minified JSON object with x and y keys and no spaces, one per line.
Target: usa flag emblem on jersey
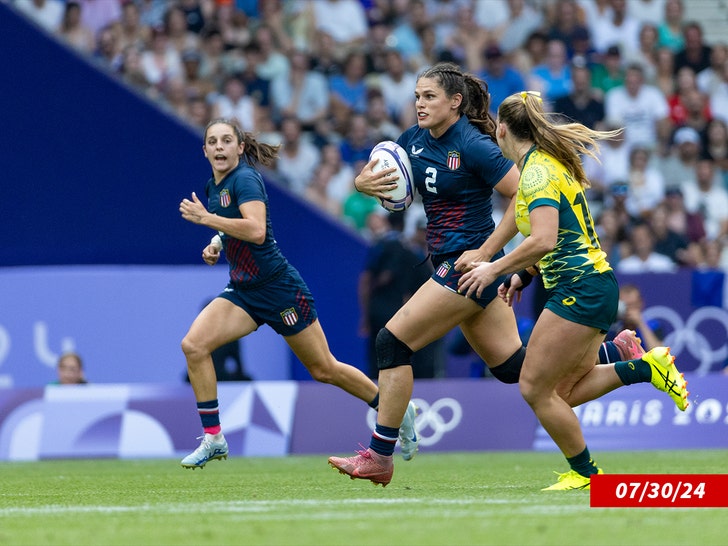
{"x":225,"y":198}
{"x":442,"y":269}
{"x":453,"y":160}
{"x":289,"y":317}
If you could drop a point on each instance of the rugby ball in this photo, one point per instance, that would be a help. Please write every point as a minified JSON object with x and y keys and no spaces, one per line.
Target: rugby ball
{"x":391,"y":154}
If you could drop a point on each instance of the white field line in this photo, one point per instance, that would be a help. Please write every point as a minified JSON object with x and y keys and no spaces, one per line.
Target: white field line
{"x":313,"y":509}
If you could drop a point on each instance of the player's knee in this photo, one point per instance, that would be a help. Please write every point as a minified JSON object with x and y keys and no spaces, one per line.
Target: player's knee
{"x":321,"y":372}
{"x":391,"y":352}
{"x":510,"y":370}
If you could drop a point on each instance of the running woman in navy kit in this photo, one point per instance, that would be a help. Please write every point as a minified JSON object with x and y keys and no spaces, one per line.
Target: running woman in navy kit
{"x":456,"y":165}
{"x":263,"y":289}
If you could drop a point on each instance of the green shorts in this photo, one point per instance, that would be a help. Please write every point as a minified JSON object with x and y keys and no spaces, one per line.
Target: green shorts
{"x":591,"y":300}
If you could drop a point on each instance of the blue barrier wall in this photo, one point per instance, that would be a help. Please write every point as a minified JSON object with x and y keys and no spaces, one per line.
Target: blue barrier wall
{"x":97,"y":173}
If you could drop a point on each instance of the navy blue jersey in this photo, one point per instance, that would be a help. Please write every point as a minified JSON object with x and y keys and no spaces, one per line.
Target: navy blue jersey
{"x":250,"y":264}
{"x":455,"y":175}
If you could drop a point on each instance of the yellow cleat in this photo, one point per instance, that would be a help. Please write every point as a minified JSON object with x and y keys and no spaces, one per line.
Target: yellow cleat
{"x":571,"y":480}
{"x":665,"y":376}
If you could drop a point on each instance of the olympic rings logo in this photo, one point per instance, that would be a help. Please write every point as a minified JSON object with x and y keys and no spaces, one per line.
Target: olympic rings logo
{"x":685,"y":335}
{"x":432,"y":421}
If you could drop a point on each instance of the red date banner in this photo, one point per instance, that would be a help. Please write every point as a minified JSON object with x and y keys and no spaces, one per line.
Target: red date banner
{"x":659,"y":491}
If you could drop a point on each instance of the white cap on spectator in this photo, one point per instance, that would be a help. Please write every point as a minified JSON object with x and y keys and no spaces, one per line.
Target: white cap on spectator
{"x":686,"y":134}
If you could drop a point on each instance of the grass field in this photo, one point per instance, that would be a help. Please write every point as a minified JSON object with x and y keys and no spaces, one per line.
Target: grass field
{"x":437,"y":499}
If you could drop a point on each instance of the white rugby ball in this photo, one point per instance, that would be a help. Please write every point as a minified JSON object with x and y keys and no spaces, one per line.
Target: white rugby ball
{"x":391,"y":154}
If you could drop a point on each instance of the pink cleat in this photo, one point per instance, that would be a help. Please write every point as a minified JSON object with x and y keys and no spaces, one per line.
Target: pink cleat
{"x":628,"y":345}
{"x":367,"y":465}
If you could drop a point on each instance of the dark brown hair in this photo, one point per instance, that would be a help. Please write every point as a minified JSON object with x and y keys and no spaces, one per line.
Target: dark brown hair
{"x":254,"y":151}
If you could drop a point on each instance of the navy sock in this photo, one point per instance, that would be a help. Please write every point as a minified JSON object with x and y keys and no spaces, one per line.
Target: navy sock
{"x":608,"y":353}
{"x":209,"y":413}
{"x":583,"y":463}
{"x":375,"y":402}
{"x":384,"y":439}
{"x":633,"y":371}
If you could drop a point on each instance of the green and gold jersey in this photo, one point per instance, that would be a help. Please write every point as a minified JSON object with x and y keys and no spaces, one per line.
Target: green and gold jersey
{"x":545,"y":182}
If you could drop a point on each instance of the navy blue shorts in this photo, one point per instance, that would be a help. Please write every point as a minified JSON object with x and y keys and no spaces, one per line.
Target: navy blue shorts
{"x":445,"y":275}
{"x":591,"y":301}
{"x":285,"y":304}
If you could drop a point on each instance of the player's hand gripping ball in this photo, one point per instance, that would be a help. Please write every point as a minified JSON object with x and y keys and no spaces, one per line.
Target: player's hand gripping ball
{"x":390,"y":155}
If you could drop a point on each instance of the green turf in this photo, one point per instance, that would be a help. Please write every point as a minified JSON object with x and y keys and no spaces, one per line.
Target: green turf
{"x":438,"y":499}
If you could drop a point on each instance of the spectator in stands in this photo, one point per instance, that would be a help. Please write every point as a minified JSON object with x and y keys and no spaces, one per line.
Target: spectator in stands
{"x":47,"y":13}
{"x":73,"y":31}
{"x":679,"y":165}
{"x":273,"y":62}
{"x":612,"y":167}
{"x":396,"y":84}
{"x":670,"y":31}
{"x":566,"y":26}
{"x":643,"y":258}
{"x":581,"y":104}
{"x":235,"y":104}
{"x":377,"y":47}
{"x":199,"y":112}
{"x":195,"y":85}
{"x":107,"y":52}
{"x":151,"y":12}
{"x":317,"y":190}
{"x":595,"y":14}
{"x":668,"y":242}
{"x":357,"y":143}
{"x":198,"y":13}
{"x":132,"y":30}
{"x":646,"y":185}
{"x":468,"y":39}
{"x":302,"y":92}
{"x":650,"y":12}
{"x":132,"y":72}
{"x":695,"y":53}
{"x":715,"y":147}
{"x":523,"y":19}
{"x":683,"y":101}
{"x":344,"y":20}
{"x":359,"y":206}
{"x":212,"y":51}
{"x":96,"y":15}
{"x":684,"y":223}
{"x":408,"y":19}
{"x":645,"y":54}
{"x":325,"y":58}
{"x":609,"y":73}
{"x":234,"y":26}
{"x":719,"y":96}
{"x":341,"y":183}
{"x":297,"y":158}
{"x":612,"y":235}
{"x":642,"y":109}
{"x":161,"y":62}
{"x":533,"y":52}
{"x":348,"y":91}
{"x":630,"y":315}
{"x":620,"y":29}
{"x":502,"y":78}
{"x":174,"y":98}
{"x":704,"y":194}
{"x":70,"y":370}
{"x":710,"y":78}
{"x":553,"y":77}
{"x":664,"y":78}
{"x":381,"y":127}
{"x":178,"y":35}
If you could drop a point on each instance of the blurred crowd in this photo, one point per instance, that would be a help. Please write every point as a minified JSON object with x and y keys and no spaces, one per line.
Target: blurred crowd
{"x":328,"y":79}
